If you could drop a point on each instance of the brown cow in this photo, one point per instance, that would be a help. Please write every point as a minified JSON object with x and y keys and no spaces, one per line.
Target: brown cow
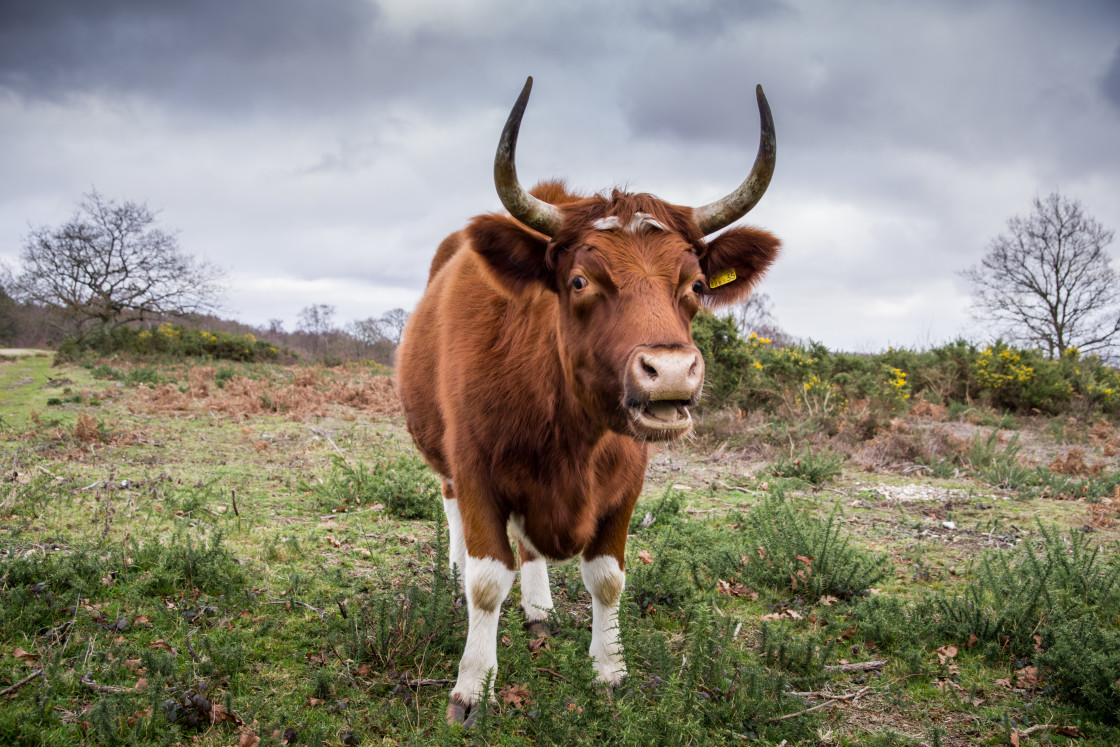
{"x":549,"y":349}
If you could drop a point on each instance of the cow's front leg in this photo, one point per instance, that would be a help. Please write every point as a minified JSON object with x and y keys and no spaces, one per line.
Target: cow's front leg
{"x":536,"y":597}
{"x":488,"y":577}
{"x":604,"y":577}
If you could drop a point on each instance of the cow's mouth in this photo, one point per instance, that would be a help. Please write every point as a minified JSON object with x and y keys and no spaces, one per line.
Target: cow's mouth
{"x":666,"y":418}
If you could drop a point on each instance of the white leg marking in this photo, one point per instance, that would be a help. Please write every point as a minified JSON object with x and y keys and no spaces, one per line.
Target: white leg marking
{"x":605,"y":580}
{"x":536,"y":597}
{"x":457,"y":552}
{"x":488,"y":583}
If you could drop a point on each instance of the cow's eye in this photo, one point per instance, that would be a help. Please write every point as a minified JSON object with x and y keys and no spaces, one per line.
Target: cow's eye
{"x":698,"y":287}
{"x":579,"y":282}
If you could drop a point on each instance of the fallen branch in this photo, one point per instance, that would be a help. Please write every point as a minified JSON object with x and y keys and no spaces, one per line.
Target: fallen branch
{"x":87,"y":680}
{"x":554,"y":674}
{"x":289,"y":602}
{"x":827,"y":704}
{"x":190,"y":648}
{"x":725,"y":486}
{"x":351,"y":513}
{"x":233,"y":497}
{"x":425,"y":682}
{"x":16,"y":686}
{"x":862,"y":666}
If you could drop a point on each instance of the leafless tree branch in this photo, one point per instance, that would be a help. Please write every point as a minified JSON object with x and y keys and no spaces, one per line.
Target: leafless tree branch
{"x":1048,"y":280}
{"x":111,"y":264}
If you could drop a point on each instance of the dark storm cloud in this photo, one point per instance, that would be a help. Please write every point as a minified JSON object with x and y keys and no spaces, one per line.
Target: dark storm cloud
{"x":231,"y":57}
{"x":208,"y":52}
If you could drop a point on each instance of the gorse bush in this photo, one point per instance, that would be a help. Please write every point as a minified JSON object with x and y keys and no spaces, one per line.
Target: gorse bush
{"x":773,"y":546}
{"x":1014,"y":595}
{"x":170,"y":341}
{"x":1054,"y":603}
{"x":813,"y":381}
{"x":814,"y":467}
{"x":786,"y":549}
{"x":405,"y":487}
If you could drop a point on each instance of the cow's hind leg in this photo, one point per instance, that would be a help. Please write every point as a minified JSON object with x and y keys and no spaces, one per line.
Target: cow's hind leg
{"x":536,"y":597}
{"x":457,"y":552}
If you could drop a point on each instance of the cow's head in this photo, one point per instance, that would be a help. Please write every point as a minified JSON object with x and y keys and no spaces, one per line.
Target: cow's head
{"x":630,"y":272}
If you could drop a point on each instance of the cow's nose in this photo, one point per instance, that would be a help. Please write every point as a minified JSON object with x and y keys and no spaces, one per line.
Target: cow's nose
{"x":657,"y":373}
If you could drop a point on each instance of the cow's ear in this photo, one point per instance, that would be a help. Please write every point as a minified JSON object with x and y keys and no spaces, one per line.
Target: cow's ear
{"x":734,"y":261}
{"x":514,"y":256}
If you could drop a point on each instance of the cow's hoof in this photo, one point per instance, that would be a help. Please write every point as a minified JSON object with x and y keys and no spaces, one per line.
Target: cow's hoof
{"x":458,"y":712}
{"x":538,"y":629}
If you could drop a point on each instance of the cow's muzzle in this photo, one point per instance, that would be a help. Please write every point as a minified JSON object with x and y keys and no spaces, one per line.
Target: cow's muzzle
{"x":661,"y":384}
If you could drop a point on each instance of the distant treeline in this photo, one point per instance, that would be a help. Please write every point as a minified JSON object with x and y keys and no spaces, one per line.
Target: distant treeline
{"x":25,"y":325}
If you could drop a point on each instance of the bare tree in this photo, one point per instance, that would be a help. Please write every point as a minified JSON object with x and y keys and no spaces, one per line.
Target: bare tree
{"x":370,"y":340}
{"x":392,"y":324}
{"x":756,"y":314}
{"x":111,"y":264}
{"x":1048,"y":281}
{"x":316,"y":319}
{"x":317,"y":322}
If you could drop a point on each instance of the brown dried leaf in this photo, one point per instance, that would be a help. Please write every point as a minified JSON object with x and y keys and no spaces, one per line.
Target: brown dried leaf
{"x":1038,"y":644}
{"x":946,"y":652}
{"x":1069,"y":731}
{"x":1014,"y":738}
{"x":314,"y":701}
{"x":1002,"y":682}
{"x":735,"y":590}
{"x":645,"y":557}
{"x":515,"y":695}
{"x":364,"y":670}
{"x":25,"y":656}
{"x":1027,"y":677}
{"x":248,"y":739}
{"x":160,"y":645}
{"x":828,"y":601}
{"x":142,"y":620}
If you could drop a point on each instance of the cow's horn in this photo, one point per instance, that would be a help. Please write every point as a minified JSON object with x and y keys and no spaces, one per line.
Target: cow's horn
{"x":734,"y":206}
{"x":536,"y":214}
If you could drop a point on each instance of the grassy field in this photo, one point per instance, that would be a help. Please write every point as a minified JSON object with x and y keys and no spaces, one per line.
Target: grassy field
{"x":253,"y":554}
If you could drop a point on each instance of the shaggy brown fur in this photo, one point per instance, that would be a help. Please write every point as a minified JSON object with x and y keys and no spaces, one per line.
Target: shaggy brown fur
{"x":512,"y":381}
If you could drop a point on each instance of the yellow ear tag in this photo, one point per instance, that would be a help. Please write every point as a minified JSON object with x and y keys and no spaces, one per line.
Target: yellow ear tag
{"x":722,"y":278}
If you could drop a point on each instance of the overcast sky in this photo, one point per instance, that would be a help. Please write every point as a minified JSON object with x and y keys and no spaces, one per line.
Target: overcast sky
{"x":319,"y":150}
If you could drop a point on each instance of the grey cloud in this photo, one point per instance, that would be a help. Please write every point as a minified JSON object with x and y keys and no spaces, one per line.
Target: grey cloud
{"x":1110,"y":84}
{"x":707,"y":18}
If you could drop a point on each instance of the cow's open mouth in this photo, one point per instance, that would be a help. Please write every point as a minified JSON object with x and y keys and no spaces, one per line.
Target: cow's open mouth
{"x":667,"y":416}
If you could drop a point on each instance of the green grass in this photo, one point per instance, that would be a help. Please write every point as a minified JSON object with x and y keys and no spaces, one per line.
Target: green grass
{"x":286,"y":575}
